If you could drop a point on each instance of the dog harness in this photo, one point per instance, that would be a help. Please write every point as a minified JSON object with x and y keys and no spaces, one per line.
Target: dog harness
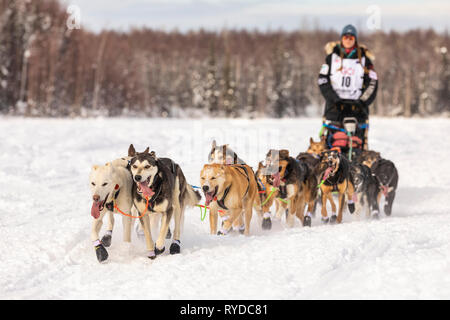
{"x":110,"y":205}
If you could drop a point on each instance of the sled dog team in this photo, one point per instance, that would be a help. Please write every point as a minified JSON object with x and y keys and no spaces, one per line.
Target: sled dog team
{"x":154,"y":189}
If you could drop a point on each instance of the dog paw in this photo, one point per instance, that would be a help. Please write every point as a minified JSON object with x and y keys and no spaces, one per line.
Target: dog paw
{"x":351,"y":207}
{"x":169,"y":234}
{"x":151,"y":255}
{"x":267,"y":224}
{"x":175,"y":247}
{"x":159,"y":251}
{"x":101,"y":253}
{"x":106,"y":240}
{"x":375,"y":216}
{"x":387,"y":210}
{"x":307,"y":221}
{"x":333,"y":219}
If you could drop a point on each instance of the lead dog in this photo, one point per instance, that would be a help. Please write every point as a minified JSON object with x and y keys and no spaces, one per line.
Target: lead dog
{"x":110,"y":184}
{"x":231,"y":189}
{"x":160,"y":187}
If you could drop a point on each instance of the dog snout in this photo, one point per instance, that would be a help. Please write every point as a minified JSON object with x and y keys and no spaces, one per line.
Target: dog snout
{"x":205,"y":188}
{"x":96,"y":197}
{"x":137,"y":178}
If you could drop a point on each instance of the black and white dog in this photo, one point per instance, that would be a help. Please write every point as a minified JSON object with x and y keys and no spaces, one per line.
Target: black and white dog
{"x":160,"y":187}
{"x":386,"y":176}
{"x":365,"y":189}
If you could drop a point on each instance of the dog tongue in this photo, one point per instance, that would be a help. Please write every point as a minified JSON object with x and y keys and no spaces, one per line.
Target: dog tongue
{"x":327,"y":173}
{"x":208,"y":198}
{"x":276,"y":179}
{"x":146,"y":191}
{"x":384,"y":189}
{"x":95,"y":210}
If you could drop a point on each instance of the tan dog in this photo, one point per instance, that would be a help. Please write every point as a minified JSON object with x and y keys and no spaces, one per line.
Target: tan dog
{"x":316,"y":148}
{"x":368,"y":158}
{"x":232,"y":189}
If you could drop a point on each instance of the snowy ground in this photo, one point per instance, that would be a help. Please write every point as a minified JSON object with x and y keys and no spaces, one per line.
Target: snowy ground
{"x":46,"y":253}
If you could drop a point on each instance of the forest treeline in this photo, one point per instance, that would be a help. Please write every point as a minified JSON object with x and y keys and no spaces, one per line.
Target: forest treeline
{"x":48,"y":70}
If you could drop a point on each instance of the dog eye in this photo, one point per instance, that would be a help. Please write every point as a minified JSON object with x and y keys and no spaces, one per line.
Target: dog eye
{"x":134,"y":166}
{"x":213,"y":178}
{"x":93,"y":184}
{"x":147,"y":167}
{"x":104,"y":184}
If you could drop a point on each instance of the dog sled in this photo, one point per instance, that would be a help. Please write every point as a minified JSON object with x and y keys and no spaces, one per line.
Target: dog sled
{"x":348,"y":135}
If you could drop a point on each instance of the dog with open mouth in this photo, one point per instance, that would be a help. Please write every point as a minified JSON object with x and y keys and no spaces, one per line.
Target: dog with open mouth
{"x":365,"y":187}
{"x":110,"y":185}
{"x":233,"y":190}
{"x":334,"y":170}
{"x":386,"y":178}
{"x":295,"y":182}
{"x":160,"y":187}
{"x":268,"y":195}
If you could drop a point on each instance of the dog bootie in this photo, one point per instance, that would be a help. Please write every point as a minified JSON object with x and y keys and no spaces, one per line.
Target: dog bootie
{"x":175,"y":247}
{"x":106,"y":240}
{"x":100,"y":251}
{"x":151,"y":255}
{"x":351,"y":206}
{"x":375,"y":215}
{"x":333,"y":219}
{"x":242,"y":229}
{"x":325,"y":220}
{"x":267,"y":224}
{"x":307,"y":221}
{"x":159,"y":251}
{"x":387,"y":209}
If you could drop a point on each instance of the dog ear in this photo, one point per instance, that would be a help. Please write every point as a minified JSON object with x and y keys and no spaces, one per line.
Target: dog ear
{"x":284,"y":154}
{"x":146,"y":150}
{"x":260,"y":165}
{"x":153,"y":154}
{"x":95,"y":167}
{"x":131,"y":151}
{"x":214,"y":144}
{"x":311,"y":141}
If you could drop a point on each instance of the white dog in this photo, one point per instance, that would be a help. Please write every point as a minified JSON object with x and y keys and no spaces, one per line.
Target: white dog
{"x":111,"y":188}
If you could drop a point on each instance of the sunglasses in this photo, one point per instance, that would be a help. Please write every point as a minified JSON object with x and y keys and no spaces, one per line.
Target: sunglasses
{"x":348,"y":37}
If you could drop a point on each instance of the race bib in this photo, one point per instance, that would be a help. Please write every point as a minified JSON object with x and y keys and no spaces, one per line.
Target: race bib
{"x":347,"y":81}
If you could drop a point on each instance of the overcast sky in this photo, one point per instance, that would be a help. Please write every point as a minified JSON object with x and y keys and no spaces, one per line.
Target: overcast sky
{"x":263,"y":14}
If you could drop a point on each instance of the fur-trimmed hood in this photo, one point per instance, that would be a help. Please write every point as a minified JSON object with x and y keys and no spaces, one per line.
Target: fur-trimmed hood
{"x":329,"y":47}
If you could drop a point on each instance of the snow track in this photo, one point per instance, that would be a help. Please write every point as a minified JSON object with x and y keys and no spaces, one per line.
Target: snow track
{"x":45,"y":222}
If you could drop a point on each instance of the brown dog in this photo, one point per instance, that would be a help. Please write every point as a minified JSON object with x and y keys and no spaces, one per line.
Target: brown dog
{"x":268,"y":196}
{"x":316,"y":148}
{"x":334,"y":170}
{"x":291,"y":178}
{"x":232,"y":189}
